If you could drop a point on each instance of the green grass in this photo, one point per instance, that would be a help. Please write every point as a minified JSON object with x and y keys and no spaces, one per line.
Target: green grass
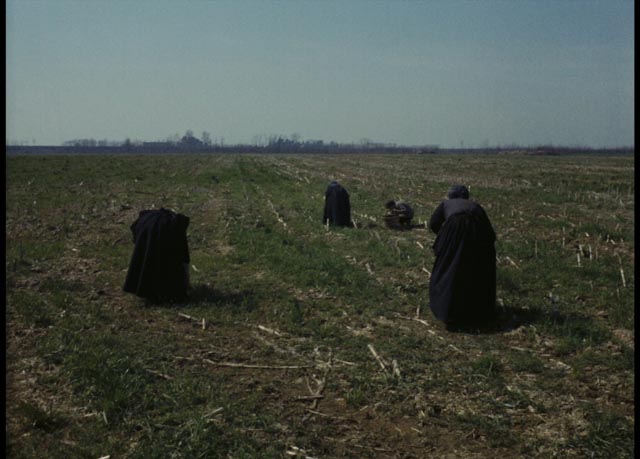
{"x":93,"y":371}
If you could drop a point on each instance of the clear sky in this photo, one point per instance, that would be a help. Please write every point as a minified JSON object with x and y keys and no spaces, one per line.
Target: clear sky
{"x":481,"y":73}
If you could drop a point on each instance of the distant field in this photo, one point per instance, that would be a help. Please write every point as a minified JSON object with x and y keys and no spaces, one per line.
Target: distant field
{"x":272,"y":356}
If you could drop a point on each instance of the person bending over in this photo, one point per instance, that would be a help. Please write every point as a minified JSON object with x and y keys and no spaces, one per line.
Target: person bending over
{"x":462,"y":288}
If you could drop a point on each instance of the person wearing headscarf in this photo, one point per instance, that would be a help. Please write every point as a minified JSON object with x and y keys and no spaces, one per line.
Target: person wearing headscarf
{"x":159,"y":266}
{"x":337,"y":208}
{"x":462,"y":288}
{"x":399,"y":214}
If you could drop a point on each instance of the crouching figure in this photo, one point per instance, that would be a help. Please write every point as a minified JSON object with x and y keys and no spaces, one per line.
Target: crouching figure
{"x":399,"y":215}
{"x":462,"y":288}
{"x":337,"y":208}
{"x":159,"y":266}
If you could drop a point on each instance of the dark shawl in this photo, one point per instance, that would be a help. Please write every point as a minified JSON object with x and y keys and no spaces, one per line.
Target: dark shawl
{"x":405,"y":212}
{"x":157,"y":270}
{"x":462,"y":289}
{"x":337,"y":209}
{"x":399,"y":215}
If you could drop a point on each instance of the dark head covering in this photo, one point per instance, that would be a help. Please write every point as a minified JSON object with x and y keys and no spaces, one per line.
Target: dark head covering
{"x":157,"y":266}
{"x":458,"y":191}
{"x":337,"y":209}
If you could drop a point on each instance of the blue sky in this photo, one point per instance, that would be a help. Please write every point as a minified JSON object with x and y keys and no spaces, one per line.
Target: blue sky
{"x":477,"y":73}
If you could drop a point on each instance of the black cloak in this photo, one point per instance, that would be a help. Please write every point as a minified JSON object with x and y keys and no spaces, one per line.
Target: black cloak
{"x":399,"y":215}
{"x":337,"y":209}
{"x":462,"y":289}
{"x":157,"y":269}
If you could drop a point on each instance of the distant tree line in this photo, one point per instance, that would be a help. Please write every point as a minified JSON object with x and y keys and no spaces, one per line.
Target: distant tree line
{"x":260,"y":144}
{"x":189,"y":143}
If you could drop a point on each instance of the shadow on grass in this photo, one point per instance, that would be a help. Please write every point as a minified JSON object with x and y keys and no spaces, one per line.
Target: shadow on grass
{"x":370,"y":225}
{"x":205,"y":294}
{"x":245,"y":300}
{"x":509,"y":318}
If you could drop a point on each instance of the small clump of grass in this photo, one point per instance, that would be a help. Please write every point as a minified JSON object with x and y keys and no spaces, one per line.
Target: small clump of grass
{"x":608,"y":435}
{"x":36,"y":417}
{"x":108,"y":371}
{"x":526,"y":362}
{"x":488,"y":366}
{"x":33,"y":310}
{"x":575,"y":333}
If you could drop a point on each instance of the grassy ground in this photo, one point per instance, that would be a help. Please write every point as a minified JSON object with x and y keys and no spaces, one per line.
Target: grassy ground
{"x":273,"y":355}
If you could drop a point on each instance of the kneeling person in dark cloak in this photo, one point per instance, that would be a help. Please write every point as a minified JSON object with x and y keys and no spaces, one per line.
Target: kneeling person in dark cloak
{"x":462,"y":289}
{"x":159,"y":267}
{"x":399,"y":215}
{"x":337,"y":208}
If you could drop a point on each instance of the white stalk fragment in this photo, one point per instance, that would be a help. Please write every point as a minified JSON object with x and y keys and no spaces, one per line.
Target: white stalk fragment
{"x":377,"y":357}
